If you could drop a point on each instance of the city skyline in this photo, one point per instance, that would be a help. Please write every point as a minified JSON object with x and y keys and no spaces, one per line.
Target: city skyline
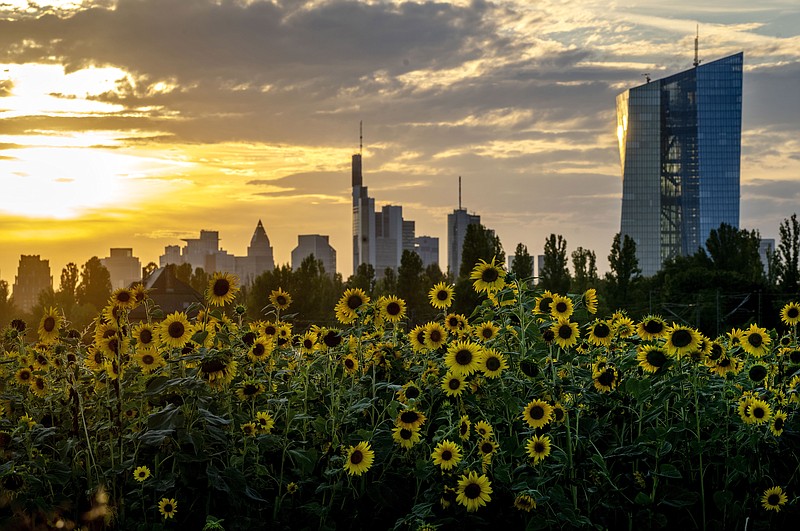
{"x":119,"y":131}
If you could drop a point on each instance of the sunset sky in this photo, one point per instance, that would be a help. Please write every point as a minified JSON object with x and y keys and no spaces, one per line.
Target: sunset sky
{"x":134,"y":123}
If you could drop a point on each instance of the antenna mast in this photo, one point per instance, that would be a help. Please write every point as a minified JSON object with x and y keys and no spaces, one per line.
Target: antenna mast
{"x":459,"y":192}
{"x":696,"y":39}
{"x":360,"y":137}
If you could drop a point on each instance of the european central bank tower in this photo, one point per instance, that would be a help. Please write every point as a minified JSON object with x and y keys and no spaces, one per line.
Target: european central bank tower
{"x":680,"y":149}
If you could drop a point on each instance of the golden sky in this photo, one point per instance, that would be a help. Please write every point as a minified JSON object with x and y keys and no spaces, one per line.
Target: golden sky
{"x":135,"y":123}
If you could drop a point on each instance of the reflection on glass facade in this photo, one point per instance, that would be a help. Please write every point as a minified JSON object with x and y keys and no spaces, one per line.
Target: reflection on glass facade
{"x":680,"y":147}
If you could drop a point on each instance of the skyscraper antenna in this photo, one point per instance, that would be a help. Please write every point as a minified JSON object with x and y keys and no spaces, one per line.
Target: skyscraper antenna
{"x":696,"y":46}
{"x":360,"y":137}
{"x":459,"y":192}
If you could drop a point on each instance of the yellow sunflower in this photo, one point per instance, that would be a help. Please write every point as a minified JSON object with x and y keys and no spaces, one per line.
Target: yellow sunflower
{"x":651,"y":327}
{"x":484,"y":429}
{"x":149,"y":359}
{"x":309,"y":343}
{"x":175,"y":330}
{"x":280,"y":299}
{"x":49,"y":325}
{"x":464,"y":427}
{"x":359,"y":458}
{"x":455,"y":323}
{"x":759,"y":412}
{"x":652,"y":357}
{"x":417,"y":338}
{"x":526,"y":503}
{"x":141,"y":473}
{"x":606,"y":379}
{"x":441,"y":296}
{"x":790,"y":314}
{"x":543,"y":302}
{"x":493,"y":363}
{"x":778,"y":423}
{"x":453,"y":384}
{"x":144,"y":334}
{"x":217,"y":371}
{"x":264,"y":422}
{"x":410,"y":418}
{"x":756,"y":341}
{"x":590,"y":300}
{"x":168,"y":507}
{"x":537,"y":413}
{"x":123,"y":298}
{"x":351,"y":300}
{"x":565,"y":333}
{"x":23,"y":376}
{"x":392,"y":308}
{"x":222,"y":289}
{"x":350,"y":364}
{"x":561,"y":307}
{"x":464,"y":357}
{"x":405,"y":437}
{"x":487,"y":276}
{"x":486,"y":331}
{"x":249,"y":389}
{"x":474,"y":491}
{"x":681,"y":339}
{"x":446,"y":455}
{"x":435,"y":335}
{"x":774,"y":499}
{"x":600,"y":333}
{"x":538,"y":447}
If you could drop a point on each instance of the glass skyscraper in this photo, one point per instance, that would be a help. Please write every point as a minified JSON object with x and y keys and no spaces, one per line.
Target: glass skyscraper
{"x":680,"y":149}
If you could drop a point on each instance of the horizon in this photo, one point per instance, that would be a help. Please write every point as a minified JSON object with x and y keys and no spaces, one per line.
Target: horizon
{"x":121,"y":132}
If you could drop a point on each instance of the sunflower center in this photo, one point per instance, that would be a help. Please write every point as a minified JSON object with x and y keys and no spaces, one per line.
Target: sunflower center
{"x":421,"y":336}
{"x":447,"y":455}
{"x":270,"y":330}
{"x":724,"y":362}
{"x":758,"y":373}
{"x":212,"y":366}
{"x":123,"y":296}
{"x":349,"y":363}
{"x":755,"y":339}
{"x":492,"y":363}
{"x":548,"y":335}
{"x":250,"y":389}
{"x":409,"y":417}
{"x":146,"y":336}
{"x":308,"y":344}
{"x":167,"y":507}
{"x":681,"y":338}
{"x":601,"y":330}
{"x":148,"y":359}
{"x":176,"y":329}
{"x":544,"y":305}
{"x":332,"y":339}
{"x":356,"y":457}
{"x":354,"y":301}
{"x":472,"y":491}
{"x":607,"y":378}
{"x":406,"y":434}
{"x":489,"y":275}
{"x":561,"y":307}
{"x":538,"y":447}
{"x":221,"y":287}
{"x":464,"y":428}
{"x":281,"y":300}
{"x":653,"y":327}
{"x":49,"y":324}
{"x":435,"y":336}
{"x":758,"y":412}
{"x":656,"y":358}
{"x":13,"y":482}
{"x":454,"y":383}
{"x":258,"y":349}
{"x":487,"y":333}
{"x":393,"y":308}
{"x":565,"y":331}
{"x":487,"y":447}
{"x":537,"y":412}
{"x":441,"y":295}
{"x":453,"y":322}
{"x":463,"y":357}
{"x":773,"y":499}
{"x":412,"y":392}
{"x":558,"y":413}
{"x":793,"y":313}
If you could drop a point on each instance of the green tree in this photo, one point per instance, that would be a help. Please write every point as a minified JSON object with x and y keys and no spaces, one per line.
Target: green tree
{"x":95,"y":285}
{"x":314,"y":293}
{"x":584,"y":265}
{"x":257,"y":300}
{"x":199,"y":279}
{"x":789,"y":255}
{"x":364,"y":278}
{"x":411,"y":286}
{"x":624,"y":269}
{"x":480,"y":243}
{"x":735,"y":250}
{"x":522,"y":267}
{"x":554,"y":275}
{"x":388,"y":284}
{"x":148,"y":270}
{"x":7,"y":310}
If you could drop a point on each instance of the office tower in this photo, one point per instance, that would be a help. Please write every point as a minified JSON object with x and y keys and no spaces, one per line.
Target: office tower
{"x":259,"y":258}
{"x":123,"y":267}
{"x":319,"y":246}
{"x":457,"y":224}
{"x":680,"y":149}
{"x":427,"y":247}
{"x":33,"y":277}
{"x":363,"y":219}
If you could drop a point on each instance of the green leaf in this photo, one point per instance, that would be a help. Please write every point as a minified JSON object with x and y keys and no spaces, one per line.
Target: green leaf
{"x":642,"y":499}
{"x":669,"y":471}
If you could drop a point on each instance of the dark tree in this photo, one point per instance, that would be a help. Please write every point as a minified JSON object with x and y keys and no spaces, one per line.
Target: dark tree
{"x":624,"y":269}
{"x":95,"y":285}
{"x":554,"y":275}
{"x":522,"y":267}
{"x":584,"y":265}
{"x":199,"y":279}
{"x":388,"y":284}
{"x":412,"y":285}
{"x":364,"y":278}
{"x":736,"y":251}
{"x":148,"y":270}
{"x":480,"y":243}
{"x":789,"y":255}
{"x":69,"y":280}
{"x":7,"y":310}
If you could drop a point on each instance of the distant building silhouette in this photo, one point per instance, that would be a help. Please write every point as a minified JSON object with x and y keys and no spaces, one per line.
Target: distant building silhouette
{"x":379,"y":238}
{"x":766,"y":247}
{"x":169,"y":294}
{"x":318,"y":245}
{"x":427,"y":247}
{"x":680,"y":150}
{"x":33,"y":277}
{"x":123,"y":267}
{"x":204,"y":252}
{"x":457,"y":224}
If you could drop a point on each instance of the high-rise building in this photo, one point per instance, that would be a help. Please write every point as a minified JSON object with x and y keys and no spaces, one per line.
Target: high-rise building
{"x":33,"y":277}
{"x":319,"y":246}
{"x":379,"y":238}
{"x":427,"y":247}
{"x":680,"y":150}
{"x":123,"y":267}
{"x":457,"y":224}
{"x":259,"y":257}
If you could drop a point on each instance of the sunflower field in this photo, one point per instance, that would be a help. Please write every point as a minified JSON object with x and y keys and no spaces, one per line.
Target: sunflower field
{"x":533,"y":412}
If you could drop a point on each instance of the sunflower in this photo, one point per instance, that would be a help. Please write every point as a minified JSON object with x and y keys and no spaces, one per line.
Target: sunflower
{"x":222,"y":289}
{"x":453,"y":384}
{"x":175,"y":330}
{"x":331,"y":337}
{"x":441,"y":296}
{"x":261,"y":349}
{"x":538,"y":447}
{"x":485,"y":331}
{"x":144,"y":334}
{"x":565,"y":332}
{"x":392,"y":308}
{"x":600,"y":333}
{"x":359,"y":459}
{"x":474,"y":491}
{"x":773,"y":499}
{"x":744,"y":408}
{"x":652,"y":357}
{"x":351,"y":300}
{"x":350,"y":364}
{"x":756,"y":341}
{"x":590,"y":300}
{"x":455,"y":323}
{"x":149,"y":360}
{"x":493,"y":363}
{"x":561,"y":307}
{"x":249,"y":389}
{"x":757,"y":372}
{"x":140,"y":293}
{"x":651,"y":327}
{"x":559,"y":413}
{"x":39,"y":386}
{"x":309,"y":343}
{"x":49,"y":325}
{"x":464,"y":427}
{"x":790,"y":314}
{"x":168,"y":507}
{"x":488,"y":276}
{"x":123,"y":298}
{"x":624,"y":327}
{"x":537,"y":413}
{"x":777,"y":423}
{"x":463,"y":357}
{"x":523,"y":502}
{"x":758,"y":412}
{"x":141,"y":473}
{"x":411,"y":419}
{"x":681,"y":339}
{"x":446,"y":455}
{"x":264,"y":422}
{"x":725,"y":365}
{"x":484,"y":429}
{"x":542,"y":304}
{"x":217,"y":371}
{"x":24,"y":376}
{"x":435,"y":335}
{"x":405,"y":437}
{"x":280,"y":299}
{"x":249,"y":429}
{"x":486,"y":448}
{"x":607,"y":379}
{"x":409,"y":391}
